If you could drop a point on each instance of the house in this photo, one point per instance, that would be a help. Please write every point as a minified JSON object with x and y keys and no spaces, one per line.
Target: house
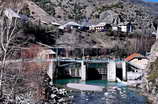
{"x":73,"y":25}
{"x":37,"y":52}
{"x":123,"y":28}
{"x":116,"y":28}
{"x":137,"y":60}
{"x":126,"y":27}
{"x":69,"y":24}
{"x":83,"y":28}
{"x":101,"y":27}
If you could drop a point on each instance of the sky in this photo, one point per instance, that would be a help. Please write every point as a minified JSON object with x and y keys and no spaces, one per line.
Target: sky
{"x":152,"y":0}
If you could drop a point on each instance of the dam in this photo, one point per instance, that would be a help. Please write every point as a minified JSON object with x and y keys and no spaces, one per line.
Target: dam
{"x":98,"y":69}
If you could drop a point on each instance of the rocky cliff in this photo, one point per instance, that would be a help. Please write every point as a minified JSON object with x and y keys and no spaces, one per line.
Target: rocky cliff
{"x":150,"y":84}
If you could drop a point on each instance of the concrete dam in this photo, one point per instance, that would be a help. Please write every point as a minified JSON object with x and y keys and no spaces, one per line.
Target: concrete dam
{"x":88,"y":69}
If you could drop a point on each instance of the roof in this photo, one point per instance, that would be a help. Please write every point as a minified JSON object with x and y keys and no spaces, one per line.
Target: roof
{"x":69,"y":24}
{"x":47,"y":52}
{"x":55,"y":23}
{"x":10,"y":13}
{"x":101,"y":24}
{"x":123,"y":23}
{"x":132,"y":56}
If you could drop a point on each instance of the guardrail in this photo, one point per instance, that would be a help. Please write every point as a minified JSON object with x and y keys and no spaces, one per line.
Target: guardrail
{"x":63,"y":60}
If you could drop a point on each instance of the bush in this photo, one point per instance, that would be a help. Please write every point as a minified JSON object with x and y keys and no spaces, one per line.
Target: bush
{"x":154,"y":71}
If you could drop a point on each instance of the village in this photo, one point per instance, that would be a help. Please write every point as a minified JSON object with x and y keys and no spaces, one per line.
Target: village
{"x":125,"y":27}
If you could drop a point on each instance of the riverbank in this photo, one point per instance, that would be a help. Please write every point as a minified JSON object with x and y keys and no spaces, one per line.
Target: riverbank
{"x":56,"y":95}
{"x":152,"y":99}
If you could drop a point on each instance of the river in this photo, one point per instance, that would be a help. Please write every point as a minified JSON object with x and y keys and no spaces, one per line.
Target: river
{"x":115,"y":93}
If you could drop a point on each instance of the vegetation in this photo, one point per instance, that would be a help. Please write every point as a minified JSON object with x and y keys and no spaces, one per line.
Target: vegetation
{"x":77,"y":12}
{"x":8,"y":32}
{"x":47,"y":5}
{"x":15,"y":80}
{"x":108,"y":7}
{"x":46,"y":34}
{"x":155,"y":23}
{"x":154,"y":70}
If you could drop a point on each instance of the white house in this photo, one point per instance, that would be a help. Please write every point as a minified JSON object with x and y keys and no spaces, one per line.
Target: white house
{"x":100,"y":27}
{"x":125,"y":27}
{"x":137,"y":60}
{"x":115,"y":28}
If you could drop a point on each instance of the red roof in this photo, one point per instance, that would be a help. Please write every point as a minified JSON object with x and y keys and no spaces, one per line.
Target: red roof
{"x":132,"y":56}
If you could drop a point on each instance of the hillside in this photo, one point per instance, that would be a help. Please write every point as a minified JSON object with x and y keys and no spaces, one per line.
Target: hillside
{"x":42,"y":13}
{"x":88,"y":12}
{"x":150,"y":84}
{"x":94,"y":11}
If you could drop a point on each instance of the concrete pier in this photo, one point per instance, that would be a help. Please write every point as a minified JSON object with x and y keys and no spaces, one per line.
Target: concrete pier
{"x":83,"y":71}
{"x":157,"y":33}
{"x":124,"y":72}
{"x":70,"y":71}
{"x":111,"y":71}
{"x":51,"y":69}
{"x":76,"y":73}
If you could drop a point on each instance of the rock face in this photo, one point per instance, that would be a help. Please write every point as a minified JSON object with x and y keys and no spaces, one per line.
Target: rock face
{"x":39,"y":14}
{"x":150,"y":84}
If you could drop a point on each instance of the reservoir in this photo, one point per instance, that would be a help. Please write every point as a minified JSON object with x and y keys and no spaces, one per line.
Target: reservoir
{"x":114,"y":93}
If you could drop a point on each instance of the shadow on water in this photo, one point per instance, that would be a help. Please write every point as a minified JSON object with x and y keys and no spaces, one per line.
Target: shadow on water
{"x":93,"y":74}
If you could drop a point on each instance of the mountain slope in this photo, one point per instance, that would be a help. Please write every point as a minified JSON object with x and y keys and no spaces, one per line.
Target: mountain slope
{"x":153,"y":6}
{"x":91,"y":12}
{"x":95,"y":11}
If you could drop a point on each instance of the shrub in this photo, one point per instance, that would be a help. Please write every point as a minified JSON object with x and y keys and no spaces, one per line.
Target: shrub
{"x":154,"y":71}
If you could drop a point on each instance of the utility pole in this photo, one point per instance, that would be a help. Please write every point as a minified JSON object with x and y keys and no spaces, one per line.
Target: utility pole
{"x":83,"y":56}
{"x":157,"y":33}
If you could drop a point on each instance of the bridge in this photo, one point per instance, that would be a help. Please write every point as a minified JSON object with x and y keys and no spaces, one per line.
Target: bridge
{"x":108,"y":70}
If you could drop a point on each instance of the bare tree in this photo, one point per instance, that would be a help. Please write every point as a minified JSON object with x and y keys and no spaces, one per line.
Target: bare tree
{"x":8,"y":30}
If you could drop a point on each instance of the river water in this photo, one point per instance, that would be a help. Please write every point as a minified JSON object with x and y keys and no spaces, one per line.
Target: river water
{"x":115,"y":93}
